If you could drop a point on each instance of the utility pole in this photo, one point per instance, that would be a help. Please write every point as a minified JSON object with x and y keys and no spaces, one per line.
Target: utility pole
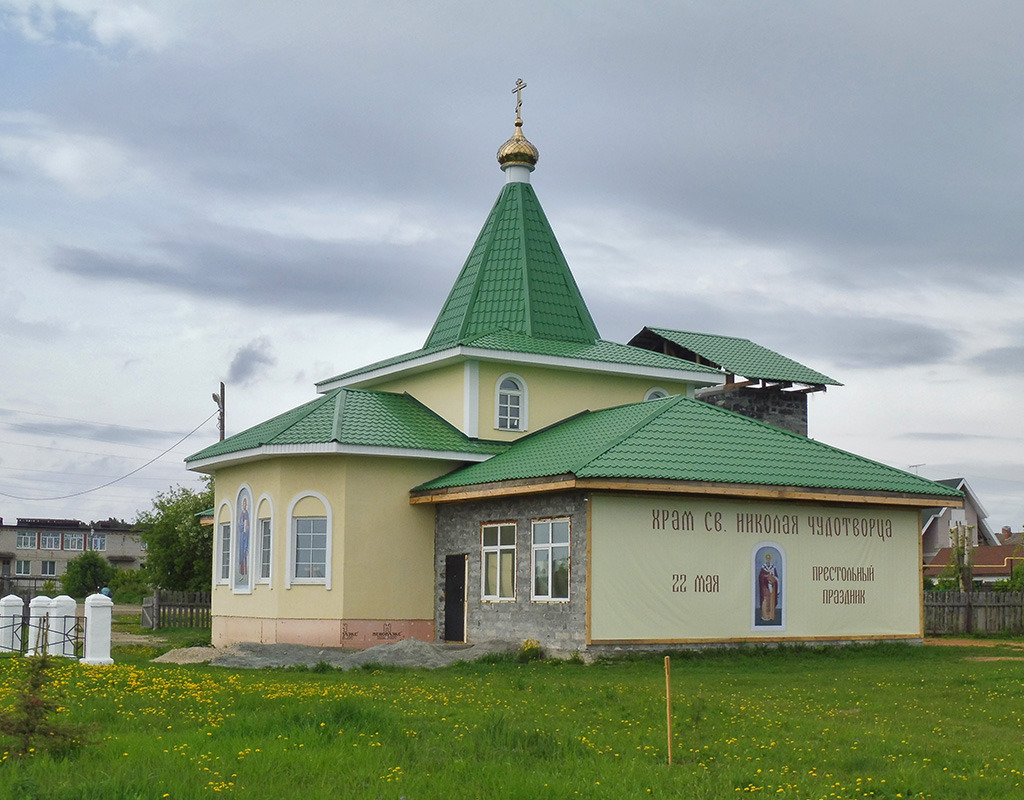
{"x":219,"y":400}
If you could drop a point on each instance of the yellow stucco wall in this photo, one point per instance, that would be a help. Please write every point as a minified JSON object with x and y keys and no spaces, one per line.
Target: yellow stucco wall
{"x":381,"y":547}
{"x":389,"y":546}
{"x":554,"y":394}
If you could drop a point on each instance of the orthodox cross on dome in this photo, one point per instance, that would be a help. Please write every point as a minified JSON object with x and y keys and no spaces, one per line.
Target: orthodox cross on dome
{"x":520,"y":85}
{"x":518,"y":151}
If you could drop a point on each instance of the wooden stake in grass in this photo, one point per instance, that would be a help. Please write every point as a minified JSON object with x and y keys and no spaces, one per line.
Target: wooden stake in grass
{"x":668,"y":705}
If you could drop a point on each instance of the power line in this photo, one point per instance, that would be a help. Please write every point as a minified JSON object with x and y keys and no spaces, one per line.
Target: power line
{"x":122,"y":477}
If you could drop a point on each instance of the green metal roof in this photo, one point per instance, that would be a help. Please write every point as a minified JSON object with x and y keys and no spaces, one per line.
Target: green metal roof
{"x":356,"y":417}
{"x":743,"y":357}
{"x":504,"y":342}
{"x":514,"y":279}
{"x":601,"y":350}
{"x":685,"y":440}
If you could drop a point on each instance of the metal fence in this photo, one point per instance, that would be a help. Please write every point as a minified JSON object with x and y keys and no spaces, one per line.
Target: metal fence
{"x":25,"y":587}
{"x":973,"y":612}
{"x":57,"y":635}
{"x":167,"y":609}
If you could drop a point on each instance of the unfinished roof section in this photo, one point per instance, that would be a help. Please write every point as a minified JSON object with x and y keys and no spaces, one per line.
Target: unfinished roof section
{"x":738,"y":358}
{"x":682,"y":445}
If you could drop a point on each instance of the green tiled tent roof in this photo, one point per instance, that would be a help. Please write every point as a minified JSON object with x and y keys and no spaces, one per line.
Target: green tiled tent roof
{"x":685,"y":440}
{"x":515,"y":279}
{"x":355,"y":417}
{"x":744,"y":357}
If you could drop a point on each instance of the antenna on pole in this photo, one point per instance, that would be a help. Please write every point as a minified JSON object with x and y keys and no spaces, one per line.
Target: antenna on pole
{"x":219,"y":400}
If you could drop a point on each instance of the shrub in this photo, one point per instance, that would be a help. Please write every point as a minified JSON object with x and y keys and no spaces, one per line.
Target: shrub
{"x":86,"y":574}
{"x":129,"y":586}
{"x":31,"y":723}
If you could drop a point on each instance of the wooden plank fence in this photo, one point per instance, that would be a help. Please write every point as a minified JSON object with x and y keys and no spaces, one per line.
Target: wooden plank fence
{"x":974,"y":612}
{"x":167,"y":609}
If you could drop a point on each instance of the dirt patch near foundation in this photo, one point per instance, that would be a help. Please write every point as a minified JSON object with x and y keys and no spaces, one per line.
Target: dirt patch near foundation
{"x":406,"y":653}
{"x":1014,"y":643}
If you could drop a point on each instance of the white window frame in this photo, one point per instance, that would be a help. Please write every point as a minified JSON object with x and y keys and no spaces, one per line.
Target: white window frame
{"x":656,"y":393}
{"x":28,"y":540}
{"x":265,"y":551}
{"x":545,"y":550}
{"x":502,"y":422}
{"x":224,"y":552}
{"x":74,"y":541}
{"x":221,"y":559}
{"x":98,"y":541}
{"x":48,"y":569}
{"x":325,"y":579}
{"x":49,"y":541}
{"x":263,"y":512}
{"x":22,"y":567}
{"x":492,"y":553}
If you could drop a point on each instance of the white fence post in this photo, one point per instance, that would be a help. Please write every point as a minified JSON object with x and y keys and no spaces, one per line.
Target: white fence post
{"x":61,"y":641}
{"x":99,"y":613}
{"x":12,"y":608}
{"x":38,"y":615}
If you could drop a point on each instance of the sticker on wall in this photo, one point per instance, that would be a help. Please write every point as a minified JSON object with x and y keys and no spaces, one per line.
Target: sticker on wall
{"x":768,"y":588}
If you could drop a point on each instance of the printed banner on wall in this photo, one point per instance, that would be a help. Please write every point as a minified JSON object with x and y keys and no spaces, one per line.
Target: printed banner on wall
{"x":667,"y":570}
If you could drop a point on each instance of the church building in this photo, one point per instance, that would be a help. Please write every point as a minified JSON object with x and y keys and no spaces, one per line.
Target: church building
{"x":520,"y":477}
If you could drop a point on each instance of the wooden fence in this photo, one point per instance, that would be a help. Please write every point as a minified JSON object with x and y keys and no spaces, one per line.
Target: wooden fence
{"x":167,"y":609}
{"x":976,"y":612}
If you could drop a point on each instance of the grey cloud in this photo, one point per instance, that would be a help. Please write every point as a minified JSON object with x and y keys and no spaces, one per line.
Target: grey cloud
{"x":250,"y":360}
{"x":393,"y":282}
{"x":828,"y":126}
{"x":91,"y":431}
{"x":952,"y":437}
{"x":812,"y":338}
{"x":874,"y":342}
{"x":1001,"y":360}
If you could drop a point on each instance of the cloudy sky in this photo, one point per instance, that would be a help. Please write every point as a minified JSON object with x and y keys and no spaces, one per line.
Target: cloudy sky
{"x":268,"y":194}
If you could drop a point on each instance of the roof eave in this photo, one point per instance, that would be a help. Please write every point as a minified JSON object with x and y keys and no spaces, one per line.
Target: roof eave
{"x":214,"y":463}
{"x":589,"y":365}
{"x":355,"y":379}
{"x":732,"y":490}
{"x":461,"y":352}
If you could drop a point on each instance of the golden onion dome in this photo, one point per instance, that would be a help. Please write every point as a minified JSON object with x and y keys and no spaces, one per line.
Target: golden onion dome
{"x":518,"y":150}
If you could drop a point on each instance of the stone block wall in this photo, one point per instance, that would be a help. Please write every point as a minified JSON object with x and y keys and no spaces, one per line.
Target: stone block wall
{"x":556,"y":625}
{"x":787,"y":410}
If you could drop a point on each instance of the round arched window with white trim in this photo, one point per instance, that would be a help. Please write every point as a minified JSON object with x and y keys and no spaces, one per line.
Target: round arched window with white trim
{"x":510,"y":404}
{"x":657,"y":393}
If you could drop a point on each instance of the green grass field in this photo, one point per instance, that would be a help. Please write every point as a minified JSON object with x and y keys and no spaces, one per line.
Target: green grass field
{"x":887,"y":722}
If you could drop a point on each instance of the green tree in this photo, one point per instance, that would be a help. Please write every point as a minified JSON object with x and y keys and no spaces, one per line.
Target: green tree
{"x":179,"y":550}
{"x":86,"y":574}
{"x":959,"y":573}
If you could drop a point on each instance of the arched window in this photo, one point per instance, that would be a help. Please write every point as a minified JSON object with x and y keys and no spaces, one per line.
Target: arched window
{"x":309,"y":546}
{"x":264,"y":543}
{"x":223,"y":551}
{"x":510,"y":404}
{"x":657,"y":393}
